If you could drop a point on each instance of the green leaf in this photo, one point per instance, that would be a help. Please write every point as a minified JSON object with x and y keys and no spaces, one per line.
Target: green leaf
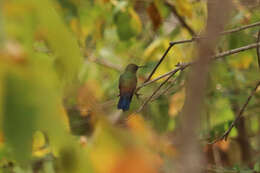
{"x":61,"y":41}
{"x":19,"y":113}
{"x":124,"y":27}
{"x":257,"y":167}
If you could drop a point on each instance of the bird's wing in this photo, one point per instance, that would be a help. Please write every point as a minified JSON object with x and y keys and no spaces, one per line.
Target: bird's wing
{"x":127,"y":84}
{"x":120,"y":81}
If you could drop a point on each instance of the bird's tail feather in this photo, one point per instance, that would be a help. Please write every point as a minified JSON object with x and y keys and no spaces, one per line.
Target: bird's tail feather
{"x":124,"y":102}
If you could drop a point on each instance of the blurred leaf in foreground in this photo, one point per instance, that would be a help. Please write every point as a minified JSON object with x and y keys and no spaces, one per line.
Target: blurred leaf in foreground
{"x":20,"y":111}
{"x":80,"y":125}
{"x":60,"y":40}
{"x":128,"y":24}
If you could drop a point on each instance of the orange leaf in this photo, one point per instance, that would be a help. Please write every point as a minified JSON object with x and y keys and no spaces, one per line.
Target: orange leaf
{"x":154,"y":15}
{"x":135,"y":161}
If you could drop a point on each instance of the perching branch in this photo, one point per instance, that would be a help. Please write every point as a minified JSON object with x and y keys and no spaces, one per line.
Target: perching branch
{"x":182,"y":67}
{"x":178,"y":68}
{"x":194,"y":39}
{"x":220,"y":55}
{"x":185,"y":65}
{"x":240,"y":114}
{"x":158,"y":78}
{"x":157,"y":89}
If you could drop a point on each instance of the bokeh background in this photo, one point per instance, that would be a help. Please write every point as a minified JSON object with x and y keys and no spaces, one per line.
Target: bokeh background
{"x":60,"y":61}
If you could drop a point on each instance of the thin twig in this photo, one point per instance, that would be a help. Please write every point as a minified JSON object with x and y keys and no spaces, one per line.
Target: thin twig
{"x":180,"y":18}
{"x":220,"y":55}
{"x":169,"y":92}
{"x":240,"y":114}
{"x":237,"y":50}
{"x":183,"y":66}
{"x":171,"y":83}
{"x":164,"y":55}
{"x":226,"y":53}
{"x":258,"y":49}
{"x":167,"y":89}
{"x":194,"y":39}
{"x":183,"y":41}
{"x":240,"y":28}
{"x":160,"y":61}
{"x":157,"y":89}
{"x":164,"y":75}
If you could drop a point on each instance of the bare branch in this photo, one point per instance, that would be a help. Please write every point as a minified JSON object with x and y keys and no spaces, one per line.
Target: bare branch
{"x":160,"y":61}
{"x":184,"y":65}
{"x":240,"y":114}
{"x":218,"y":56}
{"x":237,"y":50}
{"x":183,"y":41}
{"x":171,"y":83}
{"x":157,"y":89}
{"x":241,"y":28}
{"x":194,"y":39}
{"x":230,"y":31}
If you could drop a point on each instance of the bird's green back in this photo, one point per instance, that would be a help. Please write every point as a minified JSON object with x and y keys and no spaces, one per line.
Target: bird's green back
{"x":128,"y":79}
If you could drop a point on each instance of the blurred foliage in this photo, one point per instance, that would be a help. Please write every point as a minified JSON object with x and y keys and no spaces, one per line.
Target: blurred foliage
{"x":60,"y":61}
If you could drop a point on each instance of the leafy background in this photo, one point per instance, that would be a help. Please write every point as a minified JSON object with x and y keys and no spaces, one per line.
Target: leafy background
{"x":59,"y":67}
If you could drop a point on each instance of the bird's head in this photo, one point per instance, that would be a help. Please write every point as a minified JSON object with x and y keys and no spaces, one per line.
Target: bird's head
{"x":132,"y":68}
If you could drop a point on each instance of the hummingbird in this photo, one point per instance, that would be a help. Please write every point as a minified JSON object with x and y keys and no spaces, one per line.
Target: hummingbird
{"x":127,"y":86}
